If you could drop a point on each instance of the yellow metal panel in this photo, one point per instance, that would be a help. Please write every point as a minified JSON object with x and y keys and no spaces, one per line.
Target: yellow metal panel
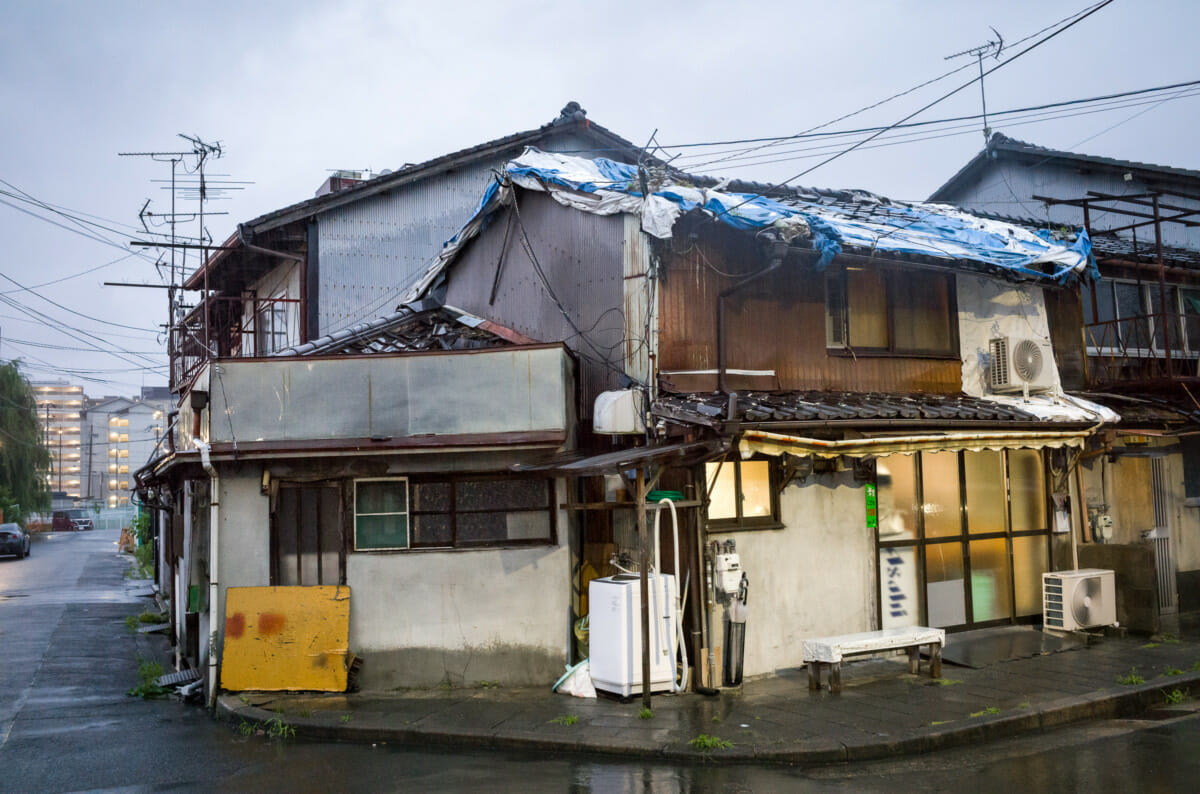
{"x":293,"y":638}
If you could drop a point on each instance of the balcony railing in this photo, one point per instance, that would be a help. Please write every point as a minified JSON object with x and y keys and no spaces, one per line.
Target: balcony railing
{"x":1132,"y":350}
{"x":223,"y":327}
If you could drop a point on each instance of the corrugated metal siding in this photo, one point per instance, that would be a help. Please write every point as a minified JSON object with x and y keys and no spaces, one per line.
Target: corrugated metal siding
{"x":1006,"y":188}
{"x":372,"y":250}
{"x":581,"y":255}
{"x":777,"y":323}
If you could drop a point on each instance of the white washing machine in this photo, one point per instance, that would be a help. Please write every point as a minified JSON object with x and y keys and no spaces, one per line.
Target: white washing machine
{"x":615,"y":633}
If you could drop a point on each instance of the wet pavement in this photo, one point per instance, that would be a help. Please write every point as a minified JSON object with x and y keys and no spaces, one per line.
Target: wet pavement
{"x":67,"y":658}
{"x":883,"y":710}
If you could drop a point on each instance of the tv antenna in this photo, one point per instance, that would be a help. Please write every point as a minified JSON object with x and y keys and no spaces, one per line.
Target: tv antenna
{"x":992,"y":48}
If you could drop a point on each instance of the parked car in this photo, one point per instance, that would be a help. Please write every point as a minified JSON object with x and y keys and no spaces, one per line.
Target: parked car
{"x":81,"y":519}
{"x":14,"y":540}
{"x":73,"y":520}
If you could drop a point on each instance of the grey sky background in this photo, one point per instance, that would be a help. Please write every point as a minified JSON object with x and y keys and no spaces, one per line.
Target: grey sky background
{"x":295,"y":89}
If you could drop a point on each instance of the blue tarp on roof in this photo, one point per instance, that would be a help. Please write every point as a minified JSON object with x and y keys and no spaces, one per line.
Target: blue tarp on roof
{"x":862,"y":223}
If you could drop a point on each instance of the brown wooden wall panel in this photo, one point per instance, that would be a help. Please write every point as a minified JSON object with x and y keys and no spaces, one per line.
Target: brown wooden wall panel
{"x":1065,"y":315}
{"x":776,"y":323}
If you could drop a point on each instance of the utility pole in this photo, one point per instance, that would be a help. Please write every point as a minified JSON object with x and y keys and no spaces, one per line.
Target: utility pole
{"x":992,"y":48}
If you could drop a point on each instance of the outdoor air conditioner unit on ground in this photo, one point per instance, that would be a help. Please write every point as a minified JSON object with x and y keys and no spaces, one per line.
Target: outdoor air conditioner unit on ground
{"x":1020,"y":365}
{"x":1083,"y":599}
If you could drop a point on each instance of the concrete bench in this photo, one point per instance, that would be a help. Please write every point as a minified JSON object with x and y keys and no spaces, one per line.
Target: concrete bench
{"x":827,"y":652}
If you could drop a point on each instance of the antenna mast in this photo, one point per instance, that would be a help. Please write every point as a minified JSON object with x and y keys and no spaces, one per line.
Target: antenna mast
{"x":992,"y":48}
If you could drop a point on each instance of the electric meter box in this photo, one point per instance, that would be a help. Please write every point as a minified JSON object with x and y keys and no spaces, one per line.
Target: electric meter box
{"x":729,"y":572}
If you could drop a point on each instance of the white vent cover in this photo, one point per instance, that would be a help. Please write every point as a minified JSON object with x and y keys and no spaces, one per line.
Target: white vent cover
{"x":1082,"y":599}
{"x":1019,"y":364}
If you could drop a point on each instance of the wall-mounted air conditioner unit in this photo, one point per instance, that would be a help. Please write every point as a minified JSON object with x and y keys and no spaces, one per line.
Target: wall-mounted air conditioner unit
{"x":1083,"y":599}
{"x":1020,"y":365}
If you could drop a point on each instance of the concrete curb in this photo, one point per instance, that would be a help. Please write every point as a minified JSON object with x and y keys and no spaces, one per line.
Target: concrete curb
{"x":1119,"y":701}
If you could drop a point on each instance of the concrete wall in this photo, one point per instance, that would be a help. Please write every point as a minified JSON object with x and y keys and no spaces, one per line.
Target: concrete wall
{"x":1137,"y":597}
{"x":243,"y":535}
{"x":422,"y":618}
{"x":814,"y":577}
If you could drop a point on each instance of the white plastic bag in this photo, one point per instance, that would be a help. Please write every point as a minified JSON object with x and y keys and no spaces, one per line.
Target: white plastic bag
{"x":577,"y":681}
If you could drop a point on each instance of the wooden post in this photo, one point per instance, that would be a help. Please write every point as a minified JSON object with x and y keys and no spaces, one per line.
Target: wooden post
{"x":643,"y":576}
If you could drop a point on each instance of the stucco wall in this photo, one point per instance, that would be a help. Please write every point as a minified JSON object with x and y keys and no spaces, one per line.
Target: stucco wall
{"x":460,"y":617}
{"x":419,"y":619}
{"x":243,"y":535}
{"x":989,"y":308}
{"x":813,"y":578}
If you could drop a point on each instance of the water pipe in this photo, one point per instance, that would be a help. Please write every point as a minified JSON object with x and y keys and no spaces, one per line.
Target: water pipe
{"x":678,"y":683}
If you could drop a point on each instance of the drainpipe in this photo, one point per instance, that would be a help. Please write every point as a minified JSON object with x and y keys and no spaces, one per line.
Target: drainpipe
{"x":214,"y":514}
{"x":777,"y":249}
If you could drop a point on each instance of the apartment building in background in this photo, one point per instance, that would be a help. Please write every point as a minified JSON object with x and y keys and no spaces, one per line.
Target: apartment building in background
{"x":119,"y":434}
{"x":61,"y":407}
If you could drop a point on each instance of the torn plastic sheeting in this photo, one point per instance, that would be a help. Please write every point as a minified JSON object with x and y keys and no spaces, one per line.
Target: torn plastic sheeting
{"x":934,"y":230}
{"x":604,"y":187}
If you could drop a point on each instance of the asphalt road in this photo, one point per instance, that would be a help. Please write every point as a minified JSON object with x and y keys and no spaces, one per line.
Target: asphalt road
{"x":66,"y":724}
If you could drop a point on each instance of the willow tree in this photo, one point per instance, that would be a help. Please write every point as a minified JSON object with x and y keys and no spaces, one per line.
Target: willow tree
{"x":24,"y":459}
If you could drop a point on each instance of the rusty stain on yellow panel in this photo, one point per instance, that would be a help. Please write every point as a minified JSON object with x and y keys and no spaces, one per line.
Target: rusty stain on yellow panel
{"x":289,"y":638}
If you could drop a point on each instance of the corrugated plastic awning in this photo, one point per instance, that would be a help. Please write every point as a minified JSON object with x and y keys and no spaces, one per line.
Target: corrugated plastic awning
{"x":762,"y":442}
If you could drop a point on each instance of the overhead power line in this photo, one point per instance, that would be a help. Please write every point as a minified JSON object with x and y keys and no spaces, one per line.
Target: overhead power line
{"x":1061,"y":29}
{"x":1105,"y":98}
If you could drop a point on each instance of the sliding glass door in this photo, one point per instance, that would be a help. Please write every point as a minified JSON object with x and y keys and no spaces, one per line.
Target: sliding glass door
{"x":963,"y":537}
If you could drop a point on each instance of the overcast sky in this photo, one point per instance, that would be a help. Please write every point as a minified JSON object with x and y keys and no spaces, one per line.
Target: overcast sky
{"x":294,"y":89}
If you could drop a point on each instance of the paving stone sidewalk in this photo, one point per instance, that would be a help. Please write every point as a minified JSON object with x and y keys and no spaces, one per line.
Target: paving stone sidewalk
{"x":882,"y":711}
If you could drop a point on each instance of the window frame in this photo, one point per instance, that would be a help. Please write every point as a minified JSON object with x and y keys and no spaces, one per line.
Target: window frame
{"x":741,"y":523}
{"x":921,"y":541}
{"x":354,"y":514}
{"x":837,"y":316}
{"x":1148,"y":307}
{"x":453,"y":511}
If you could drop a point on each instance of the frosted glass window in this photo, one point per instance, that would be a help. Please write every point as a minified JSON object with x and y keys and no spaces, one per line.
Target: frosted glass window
{"x":741,"y":493}
{"x":921,"y":313}
{"x":722,"y":486}
{"x":1030,"y":560}
{"x":756,"y":489}
{"x":380,"y":514}
{"x":985,"y":492}
{"x":896,"y":477}
{"x":867,"y":297}
{"x":1028,"y":490}
{"x":900,"y":586}
{"x":939,"y":478}
{"x":990,"y":588}
{"x":945,"y":587}
{"x":474,"y":512}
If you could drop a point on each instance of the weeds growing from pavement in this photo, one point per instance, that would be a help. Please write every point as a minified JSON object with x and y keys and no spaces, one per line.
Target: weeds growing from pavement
{"x":1175,"y":696}
{"x":645,"y":714}
{"x":1172,"y":671}
{"x":278,"y":729}
{"x":707,"y":744}
{"x":147,"y":688}
{"x":990,"y":711}
{"x":1132,"y":679}
{"x":565,"y":719}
